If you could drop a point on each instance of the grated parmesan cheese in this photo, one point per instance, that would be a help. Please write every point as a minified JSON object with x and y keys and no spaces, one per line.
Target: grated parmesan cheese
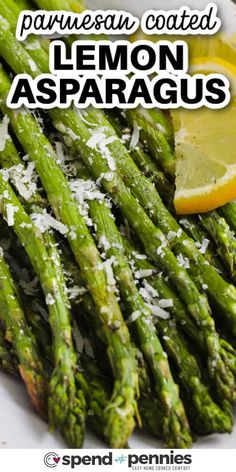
{"x":107,"y":266}
{"x":142,"y":274}
{"x":183,"y":261}
{"x":99,"y":141}
{"x":24,"y":179}
{"x":204,"y":246}
{"x":50,"y":300}
{"x":4,"y":136}
{"x":44,"y":222}
{"x":75,"y":292}
{"x":11,"y":210}
{"x":33,"y":45}
{"x":32,"y":65}
{"x":135,"y":137}
{"x":133,"y":317}
{"x":162,"y":246}
{"x":103,"y":243}
{"x":158,"y":311}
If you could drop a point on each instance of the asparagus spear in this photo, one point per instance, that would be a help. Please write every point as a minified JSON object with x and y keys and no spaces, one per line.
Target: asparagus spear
{"x":141,"y":158}
{"x":66,"y":404}
{"x":166,"y":190}
{"x":66,"y":207}
{"x":141,"y":265}
{"x":175,"y":427}
{"x":149,"y":407}
{"x":33,"y":308}
{"x":224,"y":238}
{"x":189,"y":291}
{"x":146,"y":195}
{"x":207,"y":417}
{"x":23,"y":4}
{"x":111,"y":242}
{"x":22,"y":340}
{"x":59,"y":319}
{"x":229,"y":213}
{"x":8,"y":361}
{"x":151,"y":237}
{"x":216,"y":227}
{"x":77,"y":6}
{"x":158,"y":143}
{"x":39,"y":47}
{"x":209,"y":414}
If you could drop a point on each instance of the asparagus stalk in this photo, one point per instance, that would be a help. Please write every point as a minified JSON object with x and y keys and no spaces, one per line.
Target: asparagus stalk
{"x":87,"y":255}
{"x":175,"y":427}
{"x":22,"y":340}
{"x":161,"y":150}
{"x":111,"y":243}
{"x":151,"y":237}
{"x":77,"y":6}
{"x":8,"y":361}
{"x":33,"y":307}
{"x":149,"y":407}
{"x":23,"y":4}
{"x":224,"y":238}
{"x":229,"y":213}
{"x":39,"y":47}
{"x":145,"y":193}
{"x":215,"y":226}
{"x":141,"y":158}
{"x":66,"y":404}
{"x":60,"y":321}
{"x":206,"y":416}
{"x":97,"y":393}
{"x":166,"y":190}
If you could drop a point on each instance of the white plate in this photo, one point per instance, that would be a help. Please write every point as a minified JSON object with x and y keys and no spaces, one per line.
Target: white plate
{"x":20,"y":428}
{"x":19,"y":425}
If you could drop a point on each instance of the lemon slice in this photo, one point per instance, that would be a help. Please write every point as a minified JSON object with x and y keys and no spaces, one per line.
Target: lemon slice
{"x":206,"y":158}
{"x":206,"y":149}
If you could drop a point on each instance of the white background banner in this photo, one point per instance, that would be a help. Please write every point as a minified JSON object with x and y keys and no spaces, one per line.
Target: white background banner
{"x":38,"y":460}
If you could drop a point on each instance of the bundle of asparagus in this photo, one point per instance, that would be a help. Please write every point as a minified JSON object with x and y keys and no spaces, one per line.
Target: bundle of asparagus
{"x":113,"y":310}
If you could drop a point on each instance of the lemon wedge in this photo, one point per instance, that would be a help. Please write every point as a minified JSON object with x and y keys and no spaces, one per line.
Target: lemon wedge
{"x":206,"y":149}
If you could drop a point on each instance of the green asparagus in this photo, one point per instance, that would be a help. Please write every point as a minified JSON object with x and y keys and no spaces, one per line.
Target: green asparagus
{"x":175,"y":428}
{"x":22,"y":340}
{"x":211,"y":222}
{"x":111,"y":174}
{"x":87,"y":255}
{"x":152,"y":238}
{"x":66,"y":405}
{"x":229,"y":213}
{"x":8,"y":361}
{"x":207,"y":417}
